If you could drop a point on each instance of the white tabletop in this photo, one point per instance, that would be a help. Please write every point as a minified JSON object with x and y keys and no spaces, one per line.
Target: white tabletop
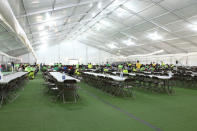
{"x":116,"y":78}
{"x":194,"y":74}
{"x":164,"y":77}
{"x":58,"y":77}
{"x":159,"y":77}
{"x":132,"y":74}
{"x":7,"y":78}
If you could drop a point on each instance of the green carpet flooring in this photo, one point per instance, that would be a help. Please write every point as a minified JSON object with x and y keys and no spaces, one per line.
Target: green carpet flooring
{"x":33,"y":110}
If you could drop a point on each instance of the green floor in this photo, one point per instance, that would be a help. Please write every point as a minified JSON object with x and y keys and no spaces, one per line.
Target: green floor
{"x":34,"y":111}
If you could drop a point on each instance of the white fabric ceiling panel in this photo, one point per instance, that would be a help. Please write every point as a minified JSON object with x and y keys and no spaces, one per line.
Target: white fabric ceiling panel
{"x":133,"y":20}
{"x":193,"y":38}
{"x":143,"y":27}
{"x":165,"y":19}
{"x":39,"y":19}
{"x":120,"y":14}
{"x":152,"y":12}
{"x":81,"y":9}
{"x":2,"y":29}
{"x":65,"y":2}
{"x":64,"y":13}
{"x":137,"y":5}
{"x":101,"y":22}
{"x":37,"y":5}
{"x":183,"y":33}
{"x":176,"y":26}
{"x":188,"y":11}
{"x":17,"y":7}
{"x":177,"y":4}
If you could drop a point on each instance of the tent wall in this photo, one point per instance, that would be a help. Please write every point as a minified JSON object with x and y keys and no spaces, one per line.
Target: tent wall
{"x":27,"y":58}
{"x":69,"y":50}
{"x":184,"y":59}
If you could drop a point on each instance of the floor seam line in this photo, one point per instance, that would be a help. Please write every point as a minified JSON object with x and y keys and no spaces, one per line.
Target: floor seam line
{"x":123,"y":111}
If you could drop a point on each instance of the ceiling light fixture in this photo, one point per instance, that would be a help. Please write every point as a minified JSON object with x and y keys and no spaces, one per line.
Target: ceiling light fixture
{"x":43,"y":33}
{"x":91,"y":4}
{"x":193,"y":27}
{"x":93,"y":14}
{"x":104,"y":22}
{"x":112,"y":46}
{"x":99,"y":5}
{"x":129,"y":42}
{"x":155,"y":36}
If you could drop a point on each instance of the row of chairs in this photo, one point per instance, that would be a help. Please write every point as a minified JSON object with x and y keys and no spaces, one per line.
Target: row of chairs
{"x":8,"y":92}
{"x":108,"y":85}
{"x":66,"y":91}
{"x":154,"y":84}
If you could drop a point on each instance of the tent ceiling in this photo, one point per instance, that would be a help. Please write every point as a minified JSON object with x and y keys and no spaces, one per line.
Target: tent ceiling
{"x":122,"y":27}
{"x":9,"y":43}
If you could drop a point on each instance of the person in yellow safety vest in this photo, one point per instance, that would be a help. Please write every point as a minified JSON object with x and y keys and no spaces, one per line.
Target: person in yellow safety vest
{"x":162,"y":64}
{"x":154,"y":64}
{"x":89,"y":66}
{"x":125,"y":71}
{"x":105,"y":70}
{"x":134,"y":69}
{"x":138,"y":65}
{"x":77,"y":71}
{"x":32,"y":73}
{"x":28,"y":69}
{"x":129,"y":64}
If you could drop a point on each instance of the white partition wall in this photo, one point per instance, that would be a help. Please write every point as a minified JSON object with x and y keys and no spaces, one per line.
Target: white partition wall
{"x":68,"y":50}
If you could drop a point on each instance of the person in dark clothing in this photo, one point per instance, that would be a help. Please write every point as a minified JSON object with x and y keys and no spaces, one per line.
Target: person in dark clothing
{"x":12,"y":65}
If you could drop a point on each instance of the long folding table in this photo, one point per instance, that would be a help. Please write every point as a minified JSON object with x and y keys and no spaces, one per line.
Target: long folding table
{"x":65,"y":85}
{"x":151,"y":81}
{"x":155,"y":80}
{"x":114,"y":85}
{"x":9,"y":83}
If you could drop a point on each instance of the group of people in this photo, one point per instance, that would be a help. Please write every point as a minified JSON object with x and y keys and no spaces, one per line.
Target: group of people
{"x":133,"y":67}
{"x":122,"y":67}
{"x":20,"y":67}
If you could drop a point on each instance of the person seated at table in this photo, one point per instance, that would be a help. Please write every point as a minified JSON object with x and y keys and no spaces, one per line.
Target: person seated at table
{"x":65,"y":69}
{"x":125,"y":71}
{"x":163,"y":64}
{"x":20,"y":69}
{"x":83,"y":67}
{"x":56,"y":68}
{"x":32,"y":72}
{"x":147,"y":67}
{"x":71,"y":71}
{"x":108,"y":65}
{"x":105,"y":69}
{"x":152,"y":69}
{"x":120,"y":67}
{"x":134,"y":69}
{"x":138,"y":65}
{"x":143,"y":68}
{"x":59,"y":65}
{"x":154,"y":64}
{"x":129,"y":64}
{"x":89,"y":66}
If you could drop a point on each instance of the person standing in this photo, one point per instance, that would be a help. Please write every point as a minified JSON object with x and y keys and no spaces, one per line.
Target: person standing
{"x":12,"y":65}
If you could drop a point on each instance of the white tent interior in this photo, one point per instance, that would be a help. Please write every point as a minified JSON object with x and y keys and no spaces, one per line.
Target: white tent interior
{"x":97,"y":31}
